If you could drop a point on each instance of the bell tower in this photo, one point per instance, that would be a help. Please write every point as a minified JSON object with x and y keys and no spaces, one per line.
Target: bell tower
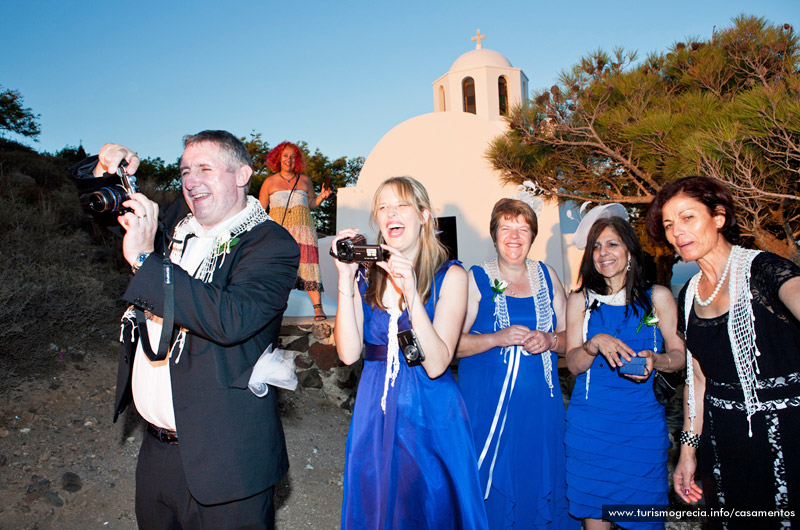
{"x":480,"y":82}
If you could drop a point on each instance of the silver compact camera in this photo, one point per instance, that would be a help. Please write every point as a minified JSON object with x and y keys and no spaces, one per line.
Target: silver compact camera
{"x":410,"y":347}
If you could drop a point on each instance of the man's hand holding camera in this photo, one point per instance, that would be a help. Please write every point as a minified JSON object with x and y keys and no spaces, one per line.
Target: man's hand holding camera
{"x":141,"y":222}
{"x":110,"y":157}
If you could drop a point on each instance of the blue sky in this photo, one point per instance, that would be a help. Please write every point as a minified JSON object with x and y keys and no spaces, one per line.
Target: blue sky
{"x":338,"y":75}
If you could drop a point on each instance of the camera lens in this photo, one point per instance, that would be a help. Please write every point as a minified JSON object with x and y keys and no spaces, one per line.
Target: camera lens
{"x":411,"y":353}
{"x":108,"y":199}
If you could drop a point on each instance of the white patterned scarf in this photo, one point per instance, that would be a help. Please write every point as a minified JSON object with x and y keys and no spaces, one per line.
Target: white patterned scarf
{"x":228,"y":235}
{"x":511,"y":354}
{"x":741,"y":331}
{"x":252,"y":215}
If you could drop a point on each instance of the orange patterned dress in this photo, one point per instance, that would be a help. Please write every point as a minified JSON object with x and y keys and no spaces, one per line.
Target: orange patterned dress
{"x":296,"y":218}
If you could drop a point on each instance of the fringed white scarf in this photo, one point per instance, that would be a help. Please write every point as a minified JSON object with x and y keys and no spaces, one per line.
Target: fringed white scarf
{"x":252,"y":215}
{"x":741,"y":330}
{"x":391,"y":301}
{"x":511,"y":354}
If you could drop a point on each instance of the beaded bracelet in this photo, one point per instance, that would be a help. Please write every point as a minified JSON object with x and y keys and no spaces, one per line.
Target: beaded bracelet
{"x":689,"y":438}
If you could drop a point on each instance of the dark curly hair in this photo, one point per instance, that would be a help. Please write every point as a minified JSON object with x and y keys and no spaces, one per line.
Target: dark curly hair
{"x":274,"y":158}
{"x":711,"y":192}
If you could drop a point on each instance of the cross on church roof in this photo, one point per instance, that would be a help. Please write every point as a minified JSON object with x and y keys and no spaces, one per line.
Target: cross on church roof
{"x":478,"y":37}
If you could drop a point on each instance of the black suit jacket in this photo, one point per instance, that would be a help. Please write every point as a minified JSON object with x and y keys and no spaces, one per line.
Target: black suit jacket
{"x":231,"y":442}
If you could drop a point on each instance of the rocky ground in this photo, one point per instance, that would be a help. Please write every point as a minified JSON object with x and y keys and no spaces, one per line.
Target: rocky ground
{"x":64,"y":465}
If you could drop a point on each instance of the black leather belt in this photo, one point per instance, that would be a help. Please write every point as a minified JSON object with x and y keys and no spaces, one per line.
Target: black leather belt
{"x":163,"y":435}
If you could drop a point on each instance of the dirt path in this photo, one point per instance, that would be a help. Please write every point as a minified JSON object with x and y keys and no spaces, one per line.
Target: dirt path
{"x":65,"y":466}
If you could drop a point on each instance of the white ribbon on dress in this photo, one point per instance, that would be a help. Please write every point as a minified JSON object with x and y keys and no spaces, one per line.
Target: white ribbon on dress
{"x":512,"y":354}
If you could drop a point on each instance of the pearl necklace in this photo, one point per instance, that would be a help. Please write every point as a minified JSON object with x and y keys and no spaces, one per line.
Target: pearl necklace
{"x":704,"y":303}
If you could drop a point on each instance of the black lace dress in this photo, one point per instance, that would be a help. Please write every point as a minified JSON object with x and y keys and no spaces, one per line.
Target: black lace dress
{"x":763,"y":471}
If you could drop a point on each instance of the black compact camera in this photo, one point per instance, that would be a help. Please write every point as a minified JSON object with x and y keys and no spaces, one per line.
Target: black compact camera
{"x":102,"y":196}
{"x":410,"y":347}
{"x":355,"y":249}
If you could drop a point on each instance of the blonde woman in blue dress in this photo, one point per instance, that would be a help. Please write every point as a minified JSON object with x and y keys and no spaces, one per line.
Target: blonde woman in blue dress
{"x":410,"y":462}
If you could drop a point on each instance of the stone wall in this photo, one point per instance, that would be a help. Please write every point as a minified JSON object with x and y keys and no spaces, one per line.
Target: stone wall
{"x":316,"y":362}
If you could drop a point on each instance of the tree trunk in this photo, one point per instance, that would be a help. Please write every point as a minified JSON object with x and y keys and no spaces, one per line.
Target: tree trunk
{"x":767,"y":241}
{"x":664,"y":270}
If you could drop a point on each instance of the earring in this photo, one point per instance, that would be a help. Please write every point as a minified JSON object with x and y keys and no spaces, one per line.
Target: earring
{"x":628,"y":268}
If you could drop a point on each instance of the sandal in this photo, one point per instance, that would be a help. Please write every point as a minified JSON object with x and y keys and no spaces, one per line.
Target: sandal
{"x":319,"y":313}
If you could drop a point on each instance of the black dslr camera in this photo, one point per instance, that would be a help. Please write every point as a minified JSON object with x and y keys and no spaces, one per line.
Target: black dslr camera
{"x":103,"y":196}
{"x":355,"y":249}
{"x":410,"y":347}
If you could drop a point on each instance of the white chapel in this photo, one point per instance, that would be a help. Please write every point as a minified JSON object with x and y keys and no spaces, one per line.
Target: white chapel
{"x":445,"y":150}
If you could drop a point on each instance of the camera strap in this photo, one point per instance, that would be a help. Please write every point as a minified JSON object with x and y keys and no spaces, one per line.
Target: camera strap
{"x":168,"y":318}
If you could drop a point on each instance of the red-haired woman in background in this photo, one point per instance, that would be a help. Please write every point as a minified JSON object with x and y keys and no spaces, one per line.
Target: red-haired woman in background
{"x":289,"y":196}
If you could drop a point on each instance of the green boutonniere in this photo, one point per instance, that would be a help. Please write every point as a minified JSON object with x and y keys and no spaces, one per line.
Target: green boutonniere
{"x":499,"y":287}
{"x":224,"y":243}
{"x":649,"y":320}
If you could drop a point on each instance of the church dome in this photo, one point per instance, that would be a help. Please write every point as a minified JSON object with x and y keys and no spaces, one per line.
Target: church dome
{"x":480,"y":58}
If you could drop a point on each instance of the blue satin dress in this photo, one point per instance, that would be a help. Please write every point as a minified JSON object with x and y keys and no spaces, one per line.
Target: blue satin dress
{"x":528,"y":481}
{"x":617,"y":435}
{"x":414,"y":466}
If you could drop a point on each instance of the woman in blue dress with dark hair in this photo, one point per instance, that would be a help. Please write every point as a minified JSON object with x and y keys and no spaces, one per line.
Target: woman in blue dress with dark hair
{"x":507,"y":371}
{"x":617,"y":439}
{"x":410,"y":462}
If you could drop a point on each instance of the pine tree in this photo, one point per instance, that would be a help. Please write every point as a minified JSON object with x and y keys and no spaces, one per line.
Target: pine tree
{"x":615,"y":129}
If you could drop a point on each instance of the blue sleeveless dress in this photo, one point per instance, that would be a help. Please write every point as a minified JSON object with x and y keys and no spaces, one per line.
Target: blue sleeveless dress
{"x":413,"y":467}
{"x":528,"y":486}
{"x":617,"y":436}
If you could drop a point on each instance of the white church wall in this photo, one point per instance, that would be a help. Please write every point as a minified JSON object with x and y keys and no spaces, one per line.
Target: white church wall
{"x":445,"y":151}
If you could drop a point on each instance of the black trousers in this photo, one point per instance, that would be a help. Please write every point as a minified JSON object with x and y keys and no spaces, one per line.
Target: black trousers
{"x":163,"y":500}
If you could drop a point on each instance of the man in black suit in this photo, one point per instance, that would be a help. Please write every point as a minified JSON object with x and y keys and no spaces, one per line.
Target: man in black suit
{"x":216,"y":276}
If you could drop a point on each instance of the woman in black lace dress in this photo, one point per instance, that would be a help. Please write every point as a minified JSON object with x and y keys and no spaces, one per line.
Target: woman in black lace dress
{"x":742,"y":399}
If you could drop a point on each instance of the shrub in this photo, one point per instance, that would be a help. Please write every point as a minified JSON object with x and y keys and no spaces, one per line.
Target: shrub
{"x":60,"y":280}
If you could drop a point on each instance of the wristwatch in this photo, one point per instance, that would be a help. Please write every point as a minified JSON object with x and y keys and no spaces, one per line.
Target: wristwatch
{"x":139,"y":261}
